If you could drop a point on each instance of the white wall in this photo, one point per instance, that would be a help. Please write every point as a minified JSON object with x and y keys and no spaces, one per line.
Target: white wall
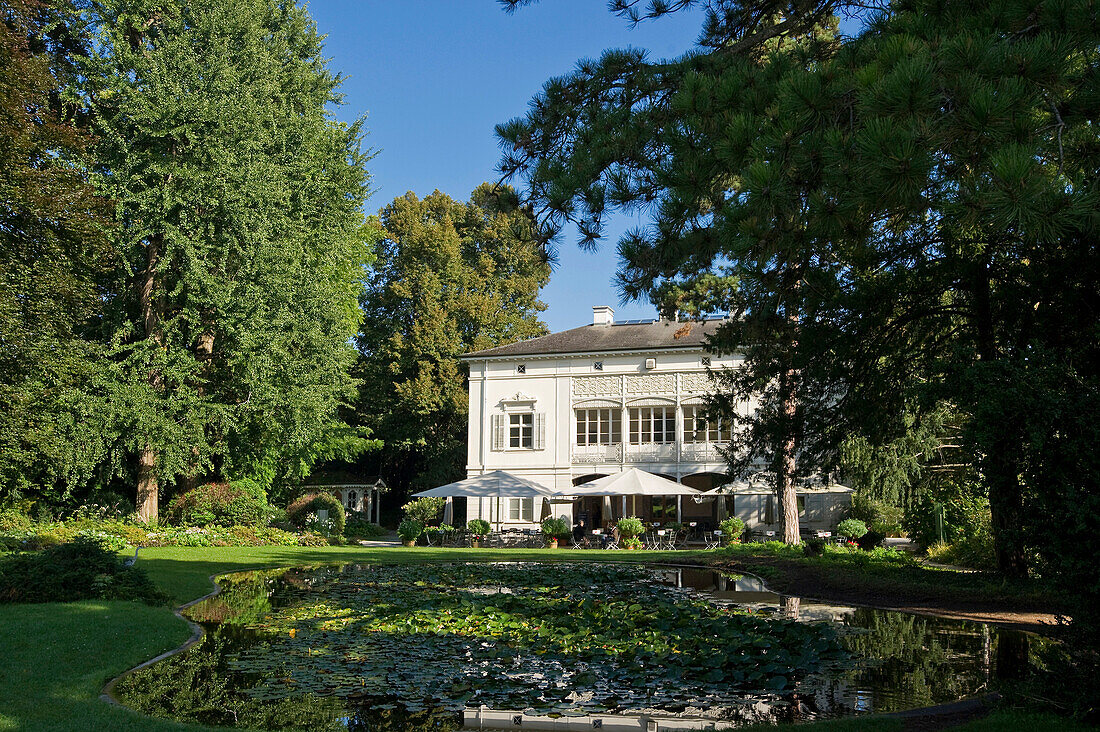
{"x":553,"y":385}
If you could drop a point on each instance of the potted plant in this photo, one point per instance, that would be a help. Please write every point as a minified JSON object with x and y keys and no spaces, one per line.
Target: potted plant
{"x":478,"y":529}
{"x":554,"y":529}
{"x":409,"y":530}
{"x":732,"y":528}
{"x":630,"y":528}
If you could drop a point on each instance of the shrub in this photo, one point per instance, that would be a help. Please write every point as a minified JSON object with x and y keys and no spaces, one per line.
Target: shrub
{"x":86,"y":568}
{"x":410,"y":529}
{"x":851,"y":528}
{"x":14,"y":520}
{"x":871,"y":540}
{"x":632,"y":542}
{"x":312,"y":540}
{"x":731,"y":528}
{"x":479,"y":527}
{"x":630,"y":526}
{"x":302,"y":508}
{"x":813,"y":547}
{"x":240,"y":503}
{"x":965,"y":510}
{"x":425,"y":510}
{"x":673,"y":526}
{"x":555,"y":528}
{"x":884,"y":517}
{"x":112,"y":542}
{"x":358,"y":526}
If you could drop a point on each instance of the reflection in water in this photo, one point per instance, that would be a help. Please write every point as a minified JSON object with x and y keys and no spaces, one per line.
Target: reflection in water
{"x":901,"y":661}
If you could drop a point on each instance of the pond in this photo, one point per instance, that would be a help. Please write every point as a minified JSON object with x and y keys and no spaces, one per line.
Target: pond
{"x":552,"y":646}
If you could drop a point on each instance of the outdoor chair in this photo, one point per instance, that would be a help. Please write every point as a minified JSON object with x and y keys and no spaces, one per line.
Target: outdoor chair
{"x":713,"y":539}
{"x":651,"y":541}
{"x":665,"y":539}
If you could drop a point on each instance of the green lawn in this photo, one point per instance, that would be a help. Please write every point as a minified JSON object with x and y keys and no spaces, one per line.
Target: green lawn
{"x":55,"y":658}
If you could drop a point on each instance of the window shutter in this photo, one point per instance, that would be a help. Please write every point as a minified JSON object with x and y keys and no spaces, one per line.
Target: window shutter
{"x":500,"y":432}
{"x":540,"y":430}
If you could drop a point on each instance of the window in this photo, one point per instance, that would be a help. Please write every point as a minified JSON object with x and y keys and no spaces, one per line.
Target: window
{"x":521,"y":430}
{"x":599,"y":427}
{"x":650,"y":425}
{"x":521,"y":509}
{"x":697,"y":428}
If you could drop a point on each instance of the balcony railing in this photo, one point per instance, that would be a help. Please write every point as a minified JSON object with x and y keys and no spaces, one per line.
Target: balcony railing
{"x":597,"y":453}
{"x":700,"y":452}
{"x":694,"y":452}
{"x":655,"y":453}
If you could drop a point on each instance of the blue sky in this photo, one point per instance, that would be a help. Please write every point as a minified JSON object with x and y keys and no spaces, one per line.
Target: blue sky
{"x":433,"y":77}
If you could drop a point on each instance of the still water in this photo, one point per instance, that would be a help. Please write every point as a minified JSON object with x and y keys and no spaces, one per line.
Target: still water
{"x":255,"y":667}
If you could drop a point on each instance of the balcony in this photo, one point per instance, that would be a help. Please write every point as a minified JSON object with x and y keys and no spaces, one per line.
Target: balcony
{"x":597,"y":453}
{"x":689,"y":452}
{"x":652,"y":453}
{"x":700,"y":452}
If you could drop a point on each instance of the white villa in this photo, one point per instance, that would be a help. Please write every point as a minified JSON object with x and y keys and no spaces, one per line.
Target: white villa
{"x":569,"y":407}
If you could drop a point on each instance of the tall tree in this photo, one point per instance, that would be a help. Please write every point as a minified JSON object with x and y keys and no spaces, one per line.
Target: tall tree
{"x":450,"y":278}
{"x":53,"y":252}
{"x":912,"y":207}
{"x":238,"y":221}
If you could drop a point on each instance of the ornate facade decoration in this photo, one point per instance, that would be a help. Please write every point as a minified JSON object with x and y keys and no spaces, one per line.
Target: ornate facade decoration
{"x":651,"y":384}
{"x":695,"y":382}
{"x":597,"y":386}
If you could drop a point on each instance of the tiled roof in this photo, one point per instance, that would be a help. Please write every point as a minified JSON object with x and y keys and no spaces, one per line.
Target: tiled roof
{"x":628,"y":336}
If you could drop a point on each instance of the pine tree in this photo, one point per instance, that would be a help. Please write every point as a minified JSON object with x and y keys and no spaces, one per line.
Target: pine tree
{"x":908,"y":213}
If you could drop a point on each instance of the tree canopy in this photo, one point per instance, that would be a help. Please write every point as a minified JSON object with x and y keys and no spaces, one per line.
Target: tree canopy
{"x":450,"y":278}
{"x":223,"y":326}
{"x":909,"y":213}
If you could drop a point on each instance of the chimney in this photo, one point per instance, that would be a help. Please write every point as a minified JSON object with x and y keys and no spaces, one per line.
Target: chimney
{"x":603,"y":315}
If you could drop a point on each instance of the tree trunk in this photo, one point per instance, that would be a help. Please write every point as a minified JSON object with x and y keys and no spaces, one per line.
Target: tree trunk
{"x":1006,"y":508}
{"x":999,"y":464}
{"x":148,"y":487}
{"x":785,"y":468}
{"x":148,"y":483}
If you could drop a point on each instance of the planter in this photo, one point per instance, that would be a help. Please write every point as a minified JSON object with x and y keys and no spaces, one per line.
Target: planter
{"x":475,"y":543}
{"x":408,"y":542}
{"x":553,"y":543}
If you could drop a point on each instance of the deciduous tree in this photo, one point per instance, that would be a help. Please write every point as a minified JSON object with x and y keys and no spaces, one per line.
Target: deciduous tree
{"x":239,"y":228}
{"x":450,"y":278}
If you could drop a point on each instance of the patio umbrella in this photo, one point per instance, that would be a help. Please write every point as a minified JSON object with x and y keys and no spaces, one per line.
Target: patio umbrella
{"x":448,"y":512}
{"x":497,"y":484}
{"x":631,"y":482}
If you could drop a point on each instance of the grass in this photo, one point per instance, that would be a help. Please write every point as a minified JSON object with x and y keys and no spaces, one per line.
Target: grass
{"x":55,"y":658}
{"x":882,"y":575}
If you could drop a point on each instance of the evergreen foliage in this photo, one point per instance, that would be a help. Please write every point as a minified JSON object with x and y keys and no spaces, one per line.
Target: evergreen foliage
{"x":83,"y":569}
{"x":450,"y":278}
{"x":899,"y":220}
{"x":304,"y":507}
{"x":203,"y":330}
{"x":53,"y":253}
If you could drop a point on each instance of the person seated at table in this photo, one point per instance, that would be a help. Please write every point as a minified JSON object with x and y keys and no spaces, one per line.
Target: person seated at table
{"x":579,"y":533}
